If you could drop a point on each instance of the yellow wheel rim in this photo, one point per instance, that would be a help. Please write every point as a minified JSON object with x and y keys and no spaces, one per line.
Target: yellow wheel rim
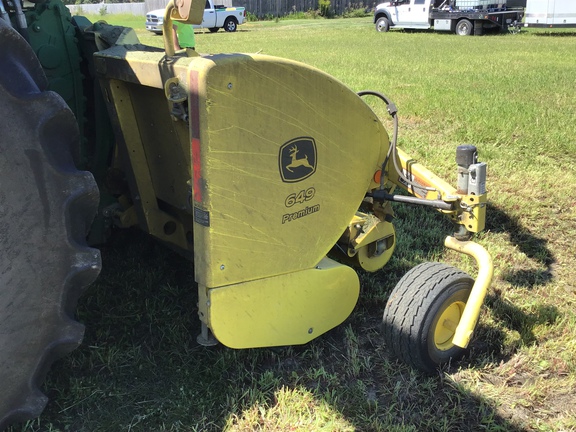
{"x":446,"y":325}
{"x":372,"y":264}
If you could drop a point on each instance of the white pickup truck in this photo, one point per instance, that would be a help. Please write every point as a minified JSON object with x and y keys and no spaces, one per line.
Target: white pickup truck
{"x":215,"y":17}
{"x":463,"y":17}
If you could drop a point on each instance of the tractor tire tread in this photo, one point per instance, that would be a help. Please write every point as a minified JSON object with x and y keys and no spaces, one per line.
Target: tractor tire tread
{"x":46,"y":208}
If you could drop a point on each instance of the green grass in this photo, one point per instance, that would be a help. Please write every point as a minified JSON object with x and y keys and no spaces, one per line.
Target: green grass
{"x":140,"y":369}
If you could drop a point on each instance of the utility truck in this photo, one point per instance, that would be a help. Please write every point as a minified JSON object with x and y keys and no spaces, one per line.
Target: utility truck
{"x":214,"y":18}
{"x":463,"y":17}
{"x":550,"y":13}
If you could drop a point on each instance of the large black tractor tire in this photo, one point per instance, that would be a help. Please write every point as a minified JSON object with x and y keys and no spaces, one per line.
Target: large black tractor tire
{"x":422,"y":313}
{"x":46,"y":207}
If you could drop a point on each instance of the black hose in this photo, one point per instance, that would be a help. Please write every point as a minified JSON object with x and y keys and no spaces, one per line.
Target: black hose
{"x":393,"y":111}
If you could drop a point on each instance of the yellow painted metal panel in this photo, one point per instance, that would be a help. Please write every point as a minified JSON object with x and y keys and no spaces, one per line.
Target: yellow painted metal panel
{"x":287,"y":154}
{"x":166,"y":144}
{"x":137,"y":167}
{"x":289,"y":309}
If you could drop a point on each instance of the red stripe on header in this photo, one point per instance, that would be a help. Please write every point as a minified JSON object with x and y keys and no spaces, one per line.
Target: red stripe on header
{"x":194,"y":113}
{"x":196,"y":171}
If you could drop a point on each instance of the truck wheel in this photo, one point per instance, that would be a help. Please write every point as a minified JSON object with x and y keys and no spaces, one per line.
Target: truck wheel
{"x":46,"y":207}
{"x":464,"y":28}
{"x":382,"y":24}
{"x":213,"y":29}
{"x":422,"y":314}
{"x":230,"y":24}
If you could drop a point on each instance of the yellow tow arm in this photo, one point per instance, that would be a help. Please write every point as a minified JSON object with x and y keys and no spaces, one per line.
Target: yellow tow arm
{"x":469,"y":211}
{"x":471,"y":312}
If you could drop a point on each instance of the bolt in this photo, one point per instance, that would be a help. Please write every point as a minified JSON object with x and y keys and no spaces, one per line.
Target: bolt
{"x":229,"y":86}
{"x":310,"y":330}
{"x":222,"y":267}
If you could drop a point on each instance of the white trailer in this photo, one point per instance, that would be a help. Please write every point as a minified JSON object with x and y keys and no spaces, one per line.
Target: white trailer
{"x":550,"y":13}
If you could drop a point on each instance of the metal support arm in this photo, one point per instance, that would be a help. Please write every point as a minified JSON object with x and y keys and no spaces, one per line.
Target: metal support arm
{"x":471,"y":312}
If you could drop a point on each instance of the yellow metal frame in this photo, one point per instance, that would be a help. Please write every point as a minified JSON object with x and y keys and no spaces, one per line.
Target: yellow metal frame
{"x":290,"y":309}
{"x":370,"y":239}
{"x":468,"y":210}
{"x":467,"y":324}
{"x":144,"y":188}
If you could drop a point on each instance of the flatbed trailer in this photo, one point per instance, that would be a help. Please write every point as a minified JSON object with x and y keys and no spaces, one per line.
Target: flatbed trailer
{"x":444,"y":16}
{"x":480,"y":19}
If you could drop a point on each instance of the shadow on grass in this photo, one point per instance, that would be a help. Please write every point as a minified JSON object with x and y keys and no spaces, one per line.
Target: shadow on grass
{"x":513,"y":326}
{"x":555,"y":33}
{"x":532,"y":246}
{"x":140,"y":368}
{"x":513,"y":318}
{"x":442,"y":33}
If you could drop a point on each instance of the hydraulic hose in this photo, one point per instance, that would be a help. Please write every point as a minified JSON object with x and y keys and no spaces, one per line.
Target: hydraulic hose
{"x":393,"y":111}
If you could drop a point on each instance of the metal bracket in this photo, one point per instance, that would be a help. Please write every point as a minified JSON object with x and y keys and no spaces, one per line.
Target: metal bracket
{"x":206,"y":338}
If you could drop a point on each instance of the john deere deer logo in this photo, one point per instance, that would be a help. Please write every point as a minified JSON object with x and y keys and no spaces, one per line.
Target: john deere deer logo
{"x":297,"y":159}
{"x":297,"y":162}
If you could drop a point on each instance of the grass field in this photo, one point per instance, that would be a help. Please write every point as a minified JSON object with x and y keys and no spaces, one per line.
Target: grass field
{"x":514,"y":96}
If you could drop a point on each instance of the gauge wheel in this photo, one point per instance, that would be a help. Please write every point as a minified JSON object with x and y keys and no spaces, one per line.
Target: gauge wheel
{"x":230,"y":24}
{"x":46,"y":208}
{"x":382,"y":24}
{"x":422,"y":313}
{"x":464,"y":28}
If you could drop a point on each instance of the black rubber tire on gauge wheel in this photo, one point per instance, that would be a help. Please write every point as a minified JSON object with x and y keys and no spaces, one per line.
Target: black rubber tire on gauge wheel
{"x":46,"y":207}
{"x":422,"y":313}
